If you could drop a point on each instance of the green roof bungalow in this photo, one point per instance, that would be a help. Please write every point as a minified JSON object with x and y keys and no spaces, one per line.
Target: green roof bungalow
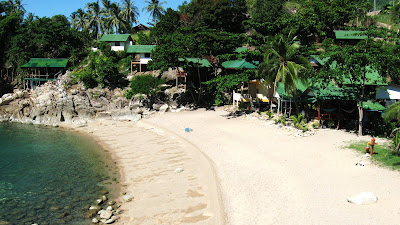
{"x":141,"y":55}
{"x":118,"y":42}
{"x":41,"y":70}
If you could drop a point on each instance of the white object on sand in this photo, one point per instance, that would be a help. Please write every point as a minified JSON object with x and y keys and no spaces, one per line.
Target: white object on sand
{"x":364,"y":198}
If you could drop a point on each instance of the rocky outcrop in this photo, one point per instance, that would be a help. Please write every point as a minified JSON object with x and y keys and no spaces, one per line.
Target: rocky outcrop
{"x":62,"y":101}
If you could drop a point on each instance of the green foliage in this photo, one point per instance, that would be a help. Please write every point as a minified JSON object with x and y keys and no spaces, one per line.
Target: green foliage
{"x":87,"y":78}
{"x":222,"y":15}
{"x":267,"y":17}
{"x":226,"y":84}
{"x":320,"y":17}
{"x":143,"y":38}
{"x":316,"y":124}
{"x":102,"y":70}
{"x":144,"y":84}
{"x":269,"y":114}
{"x":299,"y":122}
{"x":282,"y":120}
{"x":396,"y":141}
{"x":392,"y":113}
{"x":395,"y":13}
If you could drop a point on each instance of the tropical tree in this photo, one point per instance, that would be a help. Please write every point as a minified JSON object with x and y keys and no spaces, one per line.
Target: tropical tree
{"x":129,"y":12}
{"x":94,"y":19}
{"x":115,"y":22}
{"x":79,"y":19}
{"x":155,"y":9}
{"x":282,"y":63}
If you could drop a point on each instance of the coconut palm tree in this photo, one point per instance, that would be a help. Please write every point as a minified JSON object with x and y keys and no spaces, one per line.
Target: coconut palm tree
{"x":94,"y":22}
{"x":129,"y":12}
{"x":115,"y":22}
{"x":282,"y":63}
{"x":155,"y":9}
{"x":78,"y":19}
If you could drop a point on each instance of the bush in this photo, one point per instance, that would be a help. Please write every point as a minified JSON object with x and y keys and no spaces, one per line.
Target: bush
{"x":87,"y":78}
{"x":144,"y":84}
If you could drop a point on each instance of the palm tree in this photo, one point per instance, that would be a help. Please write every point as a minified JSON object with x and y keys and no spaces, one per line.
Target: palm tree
{"x":78,"y":19}
{"x":16,"y":6}
{"x":129,"y":12}
{"x":282,"y":63}
{"x":94,"y":19}
{"x":115,"y":21}
{"x":155,"y":9}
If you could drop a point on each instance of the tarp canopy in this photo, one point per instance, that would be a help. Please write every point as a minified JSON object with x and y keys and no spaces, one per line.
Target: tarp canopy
{"x":240,"y":64}
{"x":373,"y":106}
{"x":140,"y":49}
{"x":114,"y":37}
{"x":46,"y":63}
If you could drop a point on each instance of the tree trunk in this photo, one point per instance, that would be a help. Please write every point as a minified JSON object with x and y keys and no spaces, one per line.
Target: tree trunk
{"x":360,"y":119}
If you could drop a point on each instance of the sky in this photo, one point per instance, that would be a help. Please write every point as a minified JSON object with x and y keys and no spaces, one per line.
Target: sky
{"x":49,"y":8}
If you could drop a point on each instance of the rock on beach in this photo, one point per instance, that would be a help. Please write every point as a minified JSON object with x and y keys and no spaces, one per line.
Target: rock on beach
{"x":363,"y":198}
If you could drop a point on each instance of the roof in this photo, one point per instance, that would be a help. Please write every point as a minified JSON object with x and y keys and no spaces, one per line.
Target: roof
{"x":373,"y":106}
{"x":350,"y":34}
{"x":329,"y":93}
{"x":115,"y":37}
{"x":391,"y":91}
{"x":46,"y":63}
{"x":202,"y":62}
{"x":240,"y":64}
{"x":140,"y":48}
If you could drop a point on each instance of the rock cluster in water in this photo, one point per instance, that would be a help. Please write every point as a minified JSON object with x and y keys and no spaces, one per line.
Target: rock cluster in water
{"x":103,"y":211}
{"x":61,"y":101}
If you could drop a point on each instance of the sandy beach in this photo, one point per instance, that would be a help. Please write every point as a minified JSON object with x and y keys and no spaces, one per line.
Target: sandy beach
{"x":241,"y":171}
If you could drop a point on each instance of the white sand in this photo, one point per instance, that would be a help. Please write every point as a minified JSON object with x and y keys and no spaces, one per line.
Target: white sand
{"x":262,"y":175}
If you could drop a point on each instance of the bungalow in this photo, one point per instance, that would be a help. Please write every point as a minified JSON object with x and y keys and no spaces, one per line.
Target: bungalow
{"x":118,"y":42}
{"x":141,"y":55}
{"x":41,"y":70}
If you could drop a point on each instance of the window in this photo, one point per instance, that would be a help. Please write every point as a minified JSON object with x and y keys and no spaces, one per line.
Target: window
{"x":147,"y":55}
{"x":117,"y":43}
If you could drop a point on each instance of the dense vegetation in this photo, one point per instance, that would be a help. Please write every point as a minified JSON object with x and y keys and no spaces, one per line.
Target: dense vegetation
{"x":280,"y":37}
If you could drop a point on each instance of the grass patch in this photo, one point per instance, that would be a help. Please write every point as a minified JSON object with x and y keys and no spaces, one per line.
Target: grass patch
{"x":383,"y":155}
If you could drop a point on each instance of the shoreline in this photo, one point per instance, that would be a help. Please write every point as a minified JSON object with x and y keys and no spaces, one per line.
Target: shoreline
{"x":195,"y":200}
{"x":238,"y":170}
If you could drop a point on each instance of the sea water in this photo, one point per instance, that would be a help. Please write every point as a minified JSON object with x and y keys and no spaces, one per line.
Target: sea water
{"x":48,"y":175}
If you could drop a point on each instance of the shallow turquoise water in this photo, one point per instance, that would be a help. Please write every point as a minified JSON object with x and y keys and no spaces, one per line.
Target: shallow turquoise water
{"x":47,"y":173}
